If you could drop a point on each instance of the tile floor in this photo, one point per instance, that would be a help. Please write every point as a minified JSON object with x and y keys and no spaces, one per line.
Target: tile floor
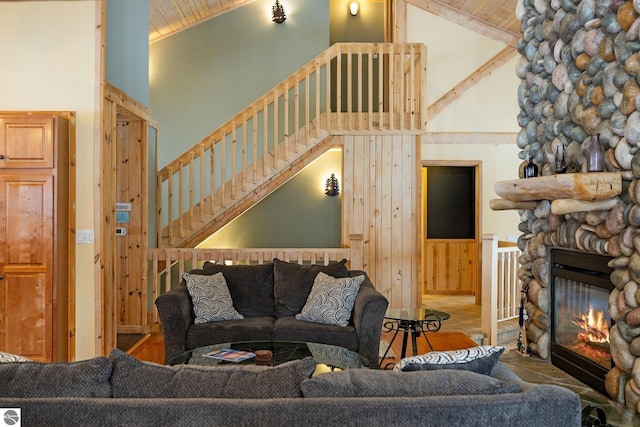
{"x":465,"y":317}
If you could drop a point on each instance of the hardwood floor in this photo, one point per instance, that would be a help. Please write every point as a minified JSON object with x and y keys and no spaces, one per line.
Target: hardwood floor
{"x":152,"y":349}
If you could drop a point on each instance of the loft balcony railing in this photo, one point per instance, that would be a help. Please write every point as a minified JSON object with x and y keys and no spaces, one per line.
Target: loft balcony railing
{"x":350,"y":88}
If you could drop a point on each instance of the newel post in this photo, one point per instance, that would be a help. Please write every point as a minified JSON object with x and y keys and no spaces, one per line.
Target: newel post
{"x":489,"y":324}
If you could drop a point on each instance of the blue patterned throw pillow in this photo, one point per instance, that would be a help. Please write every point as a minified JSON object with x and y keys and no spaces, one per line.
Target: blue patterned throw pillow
{"x":331,"y":300}
{"x":481,"y":359}
{"x":211,"y":298}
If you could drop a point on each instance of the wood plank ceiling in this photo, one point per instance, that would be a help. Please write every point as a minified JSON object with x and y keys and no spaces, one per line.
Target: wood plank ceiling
{"x":493,"y":18}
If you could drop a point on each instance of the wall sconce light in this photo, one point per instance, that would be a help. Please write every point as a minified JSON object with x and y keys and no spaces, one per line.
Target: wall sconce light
{"x":277,"y":13}
{"x":332,"y":187}
{"x":354,"y":7}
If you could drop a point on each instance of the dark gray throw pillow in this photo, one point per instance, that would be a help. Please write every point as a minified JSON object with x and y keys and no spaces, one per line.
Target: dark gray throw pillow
{"x":380,"y":383}
{"x":251,"y":286}
{"x":134,"y":378}
{"x":481,"y":359}
{"x":86,"y":378}
{"x":293,"y":283}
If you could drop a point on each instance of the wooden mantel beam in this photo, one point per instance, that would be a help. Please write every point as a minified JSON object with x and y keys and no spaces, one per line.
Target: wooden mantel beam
{"x":592,"y":186}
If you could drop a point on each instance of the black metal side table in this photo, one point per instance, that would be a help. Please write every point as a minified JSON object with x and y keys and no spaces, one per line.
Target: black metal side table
{"x":414,"y":321}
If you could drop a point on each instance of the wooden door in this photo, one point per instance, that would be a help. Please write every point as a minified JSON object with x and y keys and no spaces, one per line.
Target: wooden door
{"x":26,"y":259}
{"x":452,"y":228}
{"x":35,"y":223}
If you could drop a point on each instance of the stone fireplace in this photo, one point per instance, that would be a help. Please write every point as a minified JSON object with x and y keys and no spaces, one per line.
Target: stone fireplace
{"x":580,"y":68}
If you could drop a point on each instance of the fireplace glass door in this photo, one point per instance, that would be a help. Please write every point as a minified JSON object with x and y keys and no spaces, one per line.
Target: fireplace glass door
{"x":580,"y":322}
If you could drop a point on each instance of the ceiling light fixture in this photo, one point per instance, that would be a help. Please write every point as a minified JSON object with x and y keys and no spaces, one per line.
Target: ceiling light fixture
{"x":277,"y":13}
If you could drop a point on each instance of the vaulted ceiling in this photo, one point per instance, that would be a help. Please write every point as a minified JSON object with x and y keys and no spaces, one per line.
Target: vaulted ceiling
{"x":494,"y":18}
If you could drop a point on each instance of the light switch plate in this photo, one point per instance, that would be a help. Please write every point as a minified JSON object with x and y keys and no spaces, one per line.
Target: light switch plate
{"x":84,"y":237}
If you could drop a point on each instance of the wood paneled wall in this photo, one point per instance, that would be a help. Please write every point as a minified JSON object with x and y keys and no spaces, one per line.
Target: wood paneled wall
{"x":382,"y":177}
{"x":451,"y":266}
{"x":122,"y":302}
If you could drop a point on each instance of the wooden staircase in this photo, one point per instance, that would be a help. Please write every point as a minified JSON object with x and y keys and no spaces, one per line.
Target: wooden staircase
{"x":350,"y":89}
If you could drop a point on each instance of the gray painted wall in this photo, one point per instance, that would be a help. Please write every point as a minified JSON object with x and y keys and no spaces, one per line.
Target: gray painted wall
{"x":204,"y":75}
{"x":127,"y":47}
{"x":366,"y":27}
{"x":296,"y":215}
{"x":127,"y":68}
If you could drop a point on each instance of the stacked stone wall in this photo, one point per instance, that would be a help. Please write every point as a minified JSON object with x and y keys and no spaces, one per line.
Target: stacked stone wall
{"x":580,"y":72}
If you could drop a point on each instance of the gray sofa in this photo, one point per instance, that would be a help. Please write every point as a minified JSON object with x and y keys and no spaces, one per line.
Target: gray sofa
{"x":269,"y":296}
{"x":122,"y":391}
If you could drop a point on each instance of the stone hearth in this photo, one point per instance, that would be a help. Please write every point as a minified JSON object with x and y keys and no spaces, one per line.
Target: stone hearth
{"x":580,"y":68}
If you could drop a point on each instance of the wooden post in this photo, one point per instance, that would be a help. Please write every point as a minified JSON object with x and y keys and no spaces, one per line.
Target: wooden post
{"x":489,"y":324}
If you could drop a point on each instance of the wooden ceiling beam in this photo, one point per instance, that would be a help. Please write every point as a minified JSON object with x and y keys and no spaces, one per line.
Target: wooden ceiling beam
{"x":469,"y":21}
{"x":486,"y":69}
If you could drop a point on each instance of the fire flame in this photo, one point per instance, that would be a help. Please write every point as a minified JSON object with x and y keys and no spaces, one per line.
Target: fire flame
{"x":594,"y":326}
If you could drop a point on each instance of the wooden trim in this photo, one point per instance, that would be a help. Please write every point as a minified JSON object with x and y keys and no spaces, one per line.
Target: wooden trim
{"x":448,"y":138}
{"x":458,"y":90}
{"x":478,"y":286}
{"x":71,"y":263}
{"x":477,"y":241}
{"x":98,"y":281}
{"x":395,"y":21}
{"x":128,"y":105}
{"x":457,"y":163}
{"x":446,"y":11}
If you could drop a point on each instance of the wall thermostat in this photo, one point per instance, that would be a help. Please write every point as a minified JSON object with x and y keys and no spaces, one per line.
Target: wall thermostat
{"x":121,"y":231}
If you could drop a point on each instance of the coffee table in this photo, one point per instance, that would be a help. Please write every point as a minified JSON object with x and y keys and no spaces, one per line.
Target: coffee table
{"x":414,"y":321}
{"x":329,"y":357}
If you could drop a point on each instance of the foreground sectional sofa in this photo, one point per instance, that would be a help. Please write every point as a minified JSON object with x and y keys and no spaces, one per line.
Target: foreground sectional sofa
{"x":269,"y":296}
{"x":122,"y":391}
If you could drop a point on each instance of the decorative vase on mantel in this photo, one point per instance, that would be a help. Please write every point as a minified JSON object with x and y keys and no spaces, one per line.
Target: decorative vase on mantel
{"x":530,"y":169}
{"x":595,"y":154}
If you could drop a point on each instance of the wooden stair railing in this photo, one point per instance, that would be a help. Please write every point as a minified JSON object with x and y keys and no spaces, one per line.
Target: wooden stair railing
{"x":351,"y":88}
{"x":168,"y":264}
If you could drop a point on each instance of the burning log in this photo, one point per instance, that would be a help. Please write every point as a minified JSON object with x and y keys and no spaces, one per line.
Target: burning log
{"x":594,"y":329}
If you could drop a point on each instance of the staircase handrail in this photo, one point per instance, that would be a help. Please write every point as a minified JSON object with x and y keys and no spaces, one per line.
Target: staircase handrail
{"x":371,"y":96}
